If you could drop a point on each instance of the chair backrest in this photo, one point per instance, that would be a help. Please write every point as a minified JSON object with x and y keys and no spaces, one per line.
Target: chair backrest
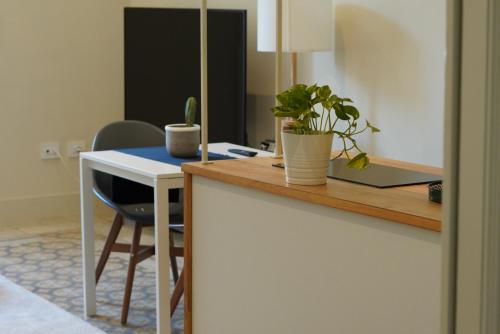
{"x":125,"y":134}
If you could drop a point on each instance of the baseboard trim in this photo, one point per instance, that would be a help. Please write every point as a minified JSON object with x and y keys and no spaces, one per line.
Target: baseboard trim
{"x":15,"y":211}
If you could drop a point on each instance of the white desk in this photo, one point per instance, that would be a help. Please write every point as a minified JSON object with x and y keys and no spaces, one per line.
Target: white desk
{"x":161,"y":177}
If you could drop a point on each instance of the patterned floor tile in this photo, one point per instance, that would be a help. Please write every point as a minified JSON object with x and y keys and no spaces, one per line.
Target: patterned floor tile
{"x":50,"y":266}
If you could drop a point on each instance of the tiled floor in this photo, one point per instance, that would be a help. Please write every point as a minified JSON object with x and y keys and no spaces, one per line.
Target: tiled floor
{"x":45,"y":258}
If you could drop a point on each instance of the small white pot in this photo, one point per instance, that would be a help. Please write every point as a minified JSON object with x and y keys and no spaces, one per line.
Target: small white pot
{"x":182,"y":141}
{"x":306,"y":157}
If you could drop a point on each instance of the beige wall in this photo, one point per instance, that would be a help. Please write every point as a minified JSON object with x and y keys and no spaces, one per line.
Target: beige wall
{"x":60,"y":80}
{"x":389,"y":57}
{"x":61,"y":66}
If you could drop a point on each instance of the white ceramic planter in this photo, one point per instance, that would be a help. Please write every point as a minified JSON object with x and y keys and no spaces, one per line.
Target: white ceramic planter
{"x":306,"y":158}
{"x":182,"y":141}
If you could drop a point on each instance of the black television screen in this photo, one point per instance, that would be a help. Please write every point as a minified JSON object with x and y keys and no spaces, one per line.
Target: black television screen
{"x":162,"y":68}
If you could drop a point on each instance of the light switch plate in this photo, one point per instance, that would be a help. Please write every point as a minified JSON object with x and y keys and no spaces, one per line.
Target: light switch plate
{"x":49,"y":151}
{"x":73,"y":148}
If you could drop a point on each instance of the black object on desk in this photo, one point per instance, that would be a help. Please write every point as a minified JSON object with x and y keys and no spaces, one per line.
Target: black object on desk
{"x":379,"y":176}
{"x":436,"y":191}
{"x":242,"y":152}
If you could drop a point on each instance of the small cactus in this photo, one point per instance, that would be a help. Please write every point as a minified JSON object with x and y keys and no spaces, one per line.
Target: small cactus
{"x":190,"y":111}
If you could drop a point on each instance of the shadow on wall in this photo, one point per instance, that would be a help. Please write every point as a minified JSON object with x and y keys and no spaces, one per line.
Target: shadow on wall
{"x":366,"y":45}
{"x":260,"y":120}
{"x":376,"y":56}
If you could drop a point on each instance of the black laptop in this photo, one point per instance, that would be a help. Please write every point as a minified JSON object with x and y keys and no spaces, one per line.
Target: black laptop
{"x":379,"y":176}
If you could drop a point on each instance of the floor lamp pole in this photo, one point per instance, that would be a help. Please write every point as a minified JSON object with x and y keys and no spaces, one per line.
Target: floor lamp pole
{"x":278,"y":151}
{"x":204,"y":82}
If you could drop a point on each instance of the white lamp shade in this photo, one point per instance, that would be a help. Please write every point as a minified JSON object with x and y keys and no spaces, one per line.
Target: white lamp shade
{"x":307,"y":25}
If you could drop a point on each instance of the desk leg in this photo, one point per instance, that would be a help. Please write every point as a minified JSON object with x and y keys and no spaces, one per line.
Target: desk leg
{"x":162,"y":257}
{"x":87,"y":222}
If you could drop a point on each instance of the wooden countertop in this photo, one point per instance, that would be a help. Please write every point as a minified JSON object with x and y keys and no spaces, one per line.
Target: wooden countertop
{"x":406,"y":205}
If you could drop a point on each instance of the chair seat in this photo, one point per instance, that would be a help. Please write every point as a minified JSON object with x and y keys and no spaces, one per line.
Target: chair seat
{"x":145,"y":213}
{"x":142,"y":212}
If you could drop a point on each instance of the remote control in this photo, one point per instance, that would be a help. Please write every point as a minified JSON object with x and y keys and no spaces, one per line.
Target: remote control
{"x":242,"y":152}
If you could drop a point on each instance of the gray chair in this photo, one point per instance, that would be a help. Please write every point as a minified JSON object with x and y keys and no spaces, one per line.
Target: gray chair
{"x":134,"y":202}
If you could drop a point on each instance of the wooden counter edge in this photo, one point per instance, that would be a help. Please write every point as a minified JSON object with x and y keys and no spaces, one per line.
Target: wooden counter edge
{"x":387,"y":214}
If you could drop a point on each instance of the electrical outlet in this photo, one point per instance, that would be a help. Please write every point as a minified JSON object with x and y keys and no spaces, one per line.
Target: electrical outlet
{"x":73,"y":148}
{"x":49,"y":151}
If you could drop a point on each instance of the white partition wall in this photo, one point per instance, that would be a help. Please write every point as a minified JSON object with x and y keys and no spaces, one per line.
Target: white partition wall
{"x":271,"y":264}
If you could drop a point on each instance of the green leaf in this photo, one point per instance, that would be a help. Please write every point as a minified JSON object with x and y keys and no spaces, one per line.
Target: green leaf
{"x":312,"y":89}
{"x":374,"y":129}
{"x":324,"y":92}
{"x":314,"y":114}
{"x":327,"y":104}
{"x":282,"y":111}
{"x":282,"y":98}
{"x":352,"y":111}
{"x":332,"y":100}
{"x":340,"y":113}
{"x":280,"y":108}
{"x":292,"y":114}
{"x":316,"y":100}
{"x":360,"y":161}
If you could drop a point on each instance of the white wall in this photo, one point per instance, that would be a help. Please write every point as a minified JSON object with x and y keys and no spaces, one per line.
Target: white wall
{"x":60,"y":80}
{"x":389,"y":58}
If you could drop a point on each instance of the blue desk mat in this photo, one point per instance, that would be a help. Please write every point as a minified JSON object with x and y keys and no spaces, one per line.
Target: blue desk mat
{"x":159,"y":153}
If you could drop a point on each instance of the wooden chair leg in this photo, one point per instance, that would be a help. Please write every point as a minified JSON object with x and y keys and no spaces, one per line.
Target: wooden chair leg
{"x":110,"y":240}
{"x":134,"y":249}
{"x":177,"y":293}
{"x":173,"y":261}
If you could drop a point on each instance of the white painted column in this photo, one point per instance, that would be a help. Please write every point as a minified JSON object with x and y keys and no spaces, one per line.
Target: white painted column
{"x":204,"y":81}
{"x":278,"y":151}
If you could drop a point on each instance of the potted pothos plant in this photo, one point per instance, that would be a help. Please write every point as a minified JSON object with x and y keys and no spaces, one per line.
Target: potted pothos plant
{"x":317,"y":115}
{"x":183,"y":140}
